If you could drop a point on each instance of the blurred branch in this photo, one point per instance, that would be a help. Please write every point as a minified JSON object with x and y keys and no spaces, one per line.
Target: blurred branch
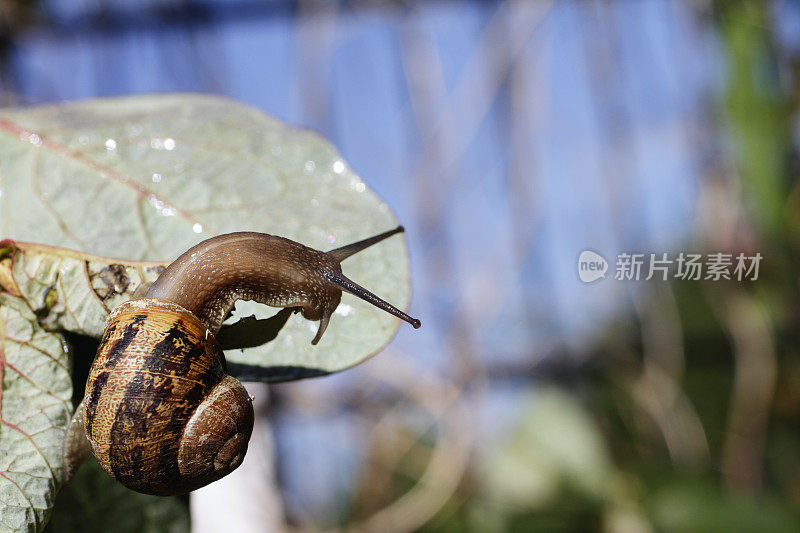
{"x":316,"y":30}
{"x":450,"y":453}
{"x":760,"y":119}
{"x":443,"y":405}
{"x":755,"y":373}
{"x":455,"y":123}
{"x":657,"y":390}
{"x":530,"y":99}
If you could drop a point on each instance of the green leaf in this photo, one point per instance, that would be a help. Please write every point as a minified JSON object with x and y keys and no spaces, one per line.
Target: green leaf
{"x":555,"y":448}
{"x":142,"y":179}
{"x":36,"y":403}
{"x":694,"y":504}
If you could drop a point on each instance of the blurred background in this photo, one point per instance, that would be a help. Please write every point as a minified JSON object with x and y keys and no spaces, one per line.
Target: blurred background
{"x":508,"y":136}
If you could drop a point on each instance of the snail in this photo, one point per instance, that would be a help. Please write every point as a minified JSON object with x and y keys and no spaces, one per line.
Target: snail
{"x":160,"y":413}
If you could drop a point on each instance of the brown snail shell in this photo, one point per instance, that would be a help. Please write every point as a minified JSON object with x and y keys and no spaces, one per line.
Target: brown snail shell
{"x":160,"y":412}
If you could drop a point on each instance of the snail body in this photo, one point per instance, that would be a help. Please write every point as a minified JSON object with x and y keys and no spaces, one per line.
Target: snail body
{"x":268,"y":269}
{"x":160,"y":412}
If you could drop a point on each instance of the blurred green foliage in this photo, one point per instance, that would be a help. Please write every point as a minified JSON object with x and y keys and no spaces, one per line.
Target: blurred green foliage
{"x":757,"y":108}
{"x":687,"y":417}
